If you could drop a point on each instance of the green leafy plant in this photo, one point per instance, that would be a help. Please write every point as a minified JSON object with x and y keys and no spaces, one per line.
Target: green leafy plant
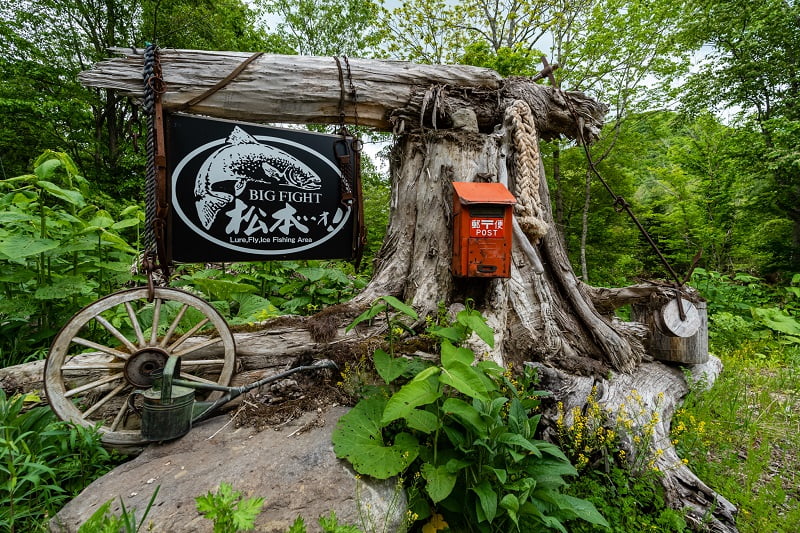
{"x":254,"y":292}
{"x":463,"y":434}
{"x":629,"y":503}
{"x":745,"y":308}
{"x":58,"y":252}
{"x":43,"y":462}
{"x":104,"y":521}
{"x":229,"y":511}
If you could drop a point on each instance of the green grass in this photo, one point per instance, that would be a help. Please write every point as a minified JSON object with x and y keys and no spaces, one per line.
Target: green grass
{"x":742,"y":436}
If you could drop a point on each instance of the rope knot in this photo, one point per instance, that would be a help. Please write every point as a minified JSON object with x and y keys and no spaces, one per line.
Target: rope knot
{"x":527,"y":177}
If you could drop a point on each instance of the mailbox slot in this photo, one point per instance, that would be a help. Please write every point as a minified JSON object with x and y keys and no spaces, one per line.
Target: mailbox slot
{"x":482,"y":230}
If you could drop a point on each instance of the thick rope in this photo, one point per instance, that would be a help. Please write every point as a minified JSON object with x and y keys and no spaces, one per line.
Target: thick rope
{"x":148,"y":106}
{"x":527,"y":157}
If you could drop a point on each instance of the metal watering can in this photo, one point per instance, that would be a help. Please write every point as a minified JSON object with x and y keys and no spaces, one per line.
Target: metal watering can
{"x":169,"y":408}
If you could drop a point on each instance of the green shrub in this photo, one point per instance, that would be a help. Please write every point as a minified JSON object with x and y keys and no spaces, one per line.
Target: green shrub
{"x":628,"y":502}
{"x":43,"y":463}
{"x":58,"y":252}
{"x":462,"y":435}
{"x":228,"y":510}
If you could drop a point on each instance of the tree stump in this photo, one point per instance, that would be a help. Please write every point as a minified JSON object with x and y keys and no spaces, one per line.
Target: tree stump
{"x":543,"y":314}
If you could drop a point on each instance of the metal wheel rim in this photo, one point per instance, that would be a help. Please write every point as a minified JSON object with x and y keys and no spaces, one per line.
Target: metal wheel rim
{"x":60,"y":394}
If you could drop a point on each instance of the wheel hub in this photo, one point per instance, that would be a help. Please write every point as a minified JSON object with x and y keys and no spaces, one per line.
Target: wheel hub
{"x":140,"y":367}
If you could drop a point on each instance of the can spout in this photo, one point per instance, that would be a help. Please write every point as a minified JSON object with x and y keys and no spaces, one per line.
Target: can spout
{"x":203,"y":410}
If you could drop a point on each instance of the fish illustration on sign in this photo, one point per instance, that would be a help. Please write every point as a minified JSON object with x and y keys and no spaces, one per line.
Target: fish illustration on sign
{"x":243,"y":159}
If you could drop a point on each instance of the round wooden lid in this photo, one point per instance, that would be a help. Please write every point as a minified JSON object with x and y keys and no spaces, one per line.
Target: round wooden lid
{"x":670,"y":323}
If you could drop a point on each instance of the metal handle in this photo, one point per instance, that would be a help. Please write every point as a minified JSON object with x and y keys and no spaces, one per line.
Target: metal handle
{"x":131,"y":405}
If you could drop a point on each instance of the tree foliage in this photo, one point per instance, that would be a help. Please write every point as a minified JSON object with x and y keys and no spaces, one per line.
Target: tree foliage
{"x":751,"y":69}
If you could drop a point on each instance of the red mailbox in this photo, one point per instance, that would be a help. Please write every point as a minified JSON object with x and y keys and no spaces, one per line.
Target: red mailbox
{"x":482,"y":230}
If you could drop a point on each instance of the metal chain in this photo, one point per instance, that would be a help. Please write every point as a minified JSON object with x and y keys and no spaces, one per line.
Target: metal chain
{"x":354,"y":97}
{"x":619,"y":203}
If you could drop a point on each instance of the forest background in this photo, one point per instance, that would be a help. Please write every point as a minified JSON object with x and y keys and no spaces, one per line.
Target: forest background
{"x":701,"y":139}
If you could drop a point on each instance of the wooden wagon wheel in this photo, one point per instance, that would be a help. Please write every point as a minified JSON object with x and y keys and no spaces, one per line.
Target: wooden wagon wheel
{"x":110,"y":348}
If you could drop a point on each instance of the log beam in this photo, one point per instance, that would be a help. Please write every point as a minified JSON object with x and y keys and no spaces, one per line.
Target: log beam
{"x":306,"y":89}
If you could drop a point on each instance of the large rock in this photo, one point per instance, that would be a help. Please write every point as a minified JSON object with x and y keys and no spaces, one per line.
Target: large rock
{"x":294,"y":469}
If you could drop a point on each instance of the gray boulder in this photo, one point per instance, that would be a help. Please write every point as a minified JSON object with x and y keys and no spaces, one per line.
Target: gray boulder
{"x":294,"y":469}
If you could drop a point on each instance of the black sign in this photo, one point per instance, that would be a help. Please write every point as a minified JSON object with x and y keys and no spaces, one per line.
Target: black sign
{"x":246,"y":192}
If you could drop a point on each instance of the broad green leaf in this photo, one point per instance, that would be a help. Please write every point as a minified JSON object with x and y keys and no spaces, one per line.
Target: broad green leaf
{"x":400,"y":306}
{"x":389,"y":368}
{"x":478,"y":324}
{"x":517,"y":418}
{"x":440,"y":482}
{"x":117,"y":242}
{"x":518,"y":440}
{"x":114,"y":266}
{"x":423,"y":421}
{"x":221,"y":289}
{"x":9,"y":217}
{"x":16,"y":274}
{"x":64,"y":287}
{"x":68,"y":195}
{"x":251,"y":305}
{"x":580,"y":509}
{"x":552,"y":450}
{"x":488,"y":499}
{"x":125,"y":223}
{"x":357,"y":437}
{"x":312,"y":274}
{"x":452,"y":354}
{"x":510,"y":503}
{"x":101,"y":219}
{"x":369,"y":314}
{"x":456,"y":465}
{"x":450,"y":333}
{"x":17,"y":247}
{"x":130,"y":209}
{"x":414,"y":394}
{"x":500,"y":474}
{"x":465,"y":379}
{"x":466,"y":414}
{"x":777,"y":320}
{"x":46,"y":169}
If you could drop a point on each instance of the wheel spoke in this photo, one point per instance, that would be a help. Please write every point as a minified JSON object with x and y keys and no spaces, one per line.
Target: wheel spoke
{"x":114,"y":331}
{"x":201,"y":362}
{"x":93,"y":384}
{"x":200,"y":346}
{"x":188,"y":334}
{"x":118,"y":418}
{"x":94,"y":366}
{"x":156,"y":320}
{"x":192,"y":377}
{"x":100,"y":348}
{"x":103,"y":400}
{"x":135,"y":323}
{"x":174,"y":325}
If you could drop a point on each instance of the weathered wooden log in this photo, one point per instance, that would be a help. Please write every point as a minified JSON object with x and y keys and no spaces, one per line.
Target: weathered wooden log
{"x":666,"y":343}
{"x":305,"y":89}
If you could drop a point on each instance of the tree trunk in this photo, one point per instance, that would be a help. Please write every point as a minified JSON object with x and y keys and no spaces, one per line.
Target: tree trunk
{"x":455,"y":126}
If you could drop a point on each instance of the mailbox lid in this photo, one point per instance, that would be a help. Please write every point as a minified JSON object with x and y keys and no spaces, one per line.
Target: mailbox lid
{"x":469,"y":193}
